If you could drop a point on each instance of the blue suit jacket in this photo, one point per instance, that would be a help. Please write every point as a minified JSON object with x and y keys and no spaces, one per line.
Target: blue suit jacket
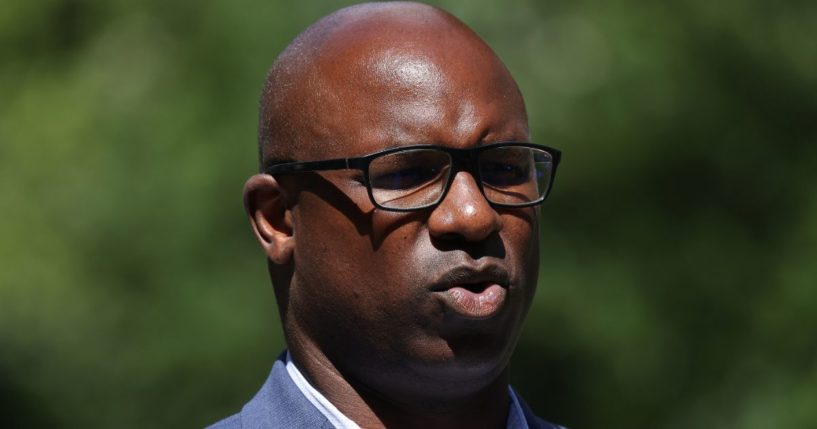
{"x":280,"y":404}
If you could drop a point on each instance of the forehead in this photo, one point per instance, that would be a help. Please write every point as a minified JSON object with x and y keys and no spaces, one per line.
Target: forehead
{"x":408,"y":81}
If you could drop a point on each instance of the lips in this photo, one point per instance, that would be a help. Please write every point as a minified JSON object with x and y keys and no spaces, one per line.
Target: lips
{"x":473,"y":293}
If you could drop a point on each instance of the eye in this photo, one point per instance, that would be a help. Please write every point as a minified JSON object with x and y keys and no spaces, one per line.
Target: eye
{"x":408,"y":169}
{"x":505,"y":172}
{"x":404,"y":177}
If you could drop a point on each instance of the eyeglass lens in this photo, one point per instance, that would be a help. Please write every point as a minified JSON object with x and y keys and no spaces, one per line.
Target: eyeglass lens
{"x":415,"y":178}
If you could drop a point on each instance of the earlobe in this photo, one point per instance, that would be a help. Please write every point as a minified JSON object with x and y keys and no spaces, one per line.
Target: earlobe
{"x":271,"y":219}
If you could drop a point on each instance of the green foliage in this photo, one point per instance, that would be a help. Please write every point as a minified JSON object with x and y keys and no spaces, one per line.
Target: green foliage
{"x":678,"y":279}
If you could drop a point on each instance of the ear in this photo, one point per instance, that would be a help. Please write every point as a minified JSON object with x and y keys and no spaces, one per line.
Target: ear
{"x":270,"y":217}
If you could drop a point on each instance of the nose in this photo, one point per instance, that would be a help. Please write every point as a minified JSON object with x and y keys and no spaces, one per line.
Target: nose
{"x":464,"y":213}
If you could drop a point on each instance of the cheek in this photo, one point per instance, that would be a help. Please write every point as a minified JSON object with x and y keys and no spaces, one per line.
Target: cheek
{"x":353,"y":272}
{"x":329,"y":251}
{"x":520,"y":231}
{"x":520,"y":234}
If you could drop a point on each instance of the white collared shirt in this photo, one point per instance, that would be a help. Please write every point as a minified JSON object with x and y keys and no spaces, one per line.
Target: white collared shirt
{"x":338,"y":419}
{"x":516,"y":419}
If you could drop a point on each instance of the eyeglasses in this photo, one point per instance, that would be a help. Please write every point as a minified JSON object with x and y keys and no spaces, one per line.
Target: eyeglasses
{"x":408,"y":178}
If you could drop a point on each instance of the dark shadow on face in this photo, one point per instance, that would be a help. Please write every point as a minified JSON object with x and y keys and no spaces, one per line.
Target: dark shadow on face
{"x":281,"y":276}
{"x":328,"y":191}
{"x":491,"y":246}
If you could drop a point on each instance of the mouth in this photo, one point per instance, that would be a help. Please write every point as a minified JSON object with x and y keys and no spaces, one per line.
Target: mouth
{"x":474,"y":293}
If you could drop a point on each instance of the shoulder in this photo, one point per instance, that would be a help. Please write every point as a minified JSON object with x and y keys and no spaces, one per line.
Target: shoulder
{"x":232,"y":422}
{"x":278,"y":404}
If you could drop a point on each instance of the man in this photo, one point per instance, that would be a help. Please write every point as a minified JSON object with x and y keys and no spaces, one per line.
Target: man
{"x":402,"y":243}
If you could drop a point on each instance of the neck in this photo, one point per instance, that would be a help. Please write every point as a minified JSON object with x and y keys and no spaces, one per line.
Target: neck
{"x":487,"y":408}
{"x":445,"y":405}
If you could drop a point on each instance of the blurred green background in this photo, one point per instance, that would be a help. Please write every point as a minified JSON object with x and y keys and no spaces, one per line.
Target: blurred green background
{"x":679,"y":246}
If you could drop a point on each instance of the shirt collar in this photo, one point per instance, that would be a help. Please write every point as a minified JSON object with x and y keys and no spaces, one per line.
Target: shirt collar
{"x":338,"y":419}
{"x":516,"y":417}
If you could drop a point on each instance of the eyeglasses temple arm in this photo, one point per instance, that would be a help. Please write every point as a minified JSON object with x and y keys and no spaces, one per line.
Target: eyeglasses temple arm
{"x":295,"y":167}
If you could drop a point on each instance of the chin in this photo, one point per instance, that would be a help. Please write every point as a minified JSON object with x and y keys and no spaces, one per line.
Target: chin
{"x":464,"y":366}
{"x":459,"y":378}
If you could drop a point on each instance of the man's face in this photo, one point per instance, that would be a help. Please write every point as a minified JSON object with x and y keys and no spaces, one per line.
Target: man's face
{"x":399,"y":300}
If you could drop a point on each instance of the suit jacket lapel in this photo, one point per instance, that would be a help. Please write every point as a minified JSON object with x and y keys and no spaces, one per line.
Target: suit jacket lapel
{"x":280,"y":404}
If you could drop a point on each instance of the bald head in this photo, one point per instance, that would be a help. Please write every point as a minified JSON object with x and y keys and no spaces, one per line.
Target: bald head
{"x":384,"y":65}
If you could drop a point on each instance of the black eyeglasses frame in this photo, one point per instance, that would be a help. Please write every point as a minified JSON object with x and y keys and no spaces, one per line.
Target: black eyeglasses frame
{"x":461,"y":160}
